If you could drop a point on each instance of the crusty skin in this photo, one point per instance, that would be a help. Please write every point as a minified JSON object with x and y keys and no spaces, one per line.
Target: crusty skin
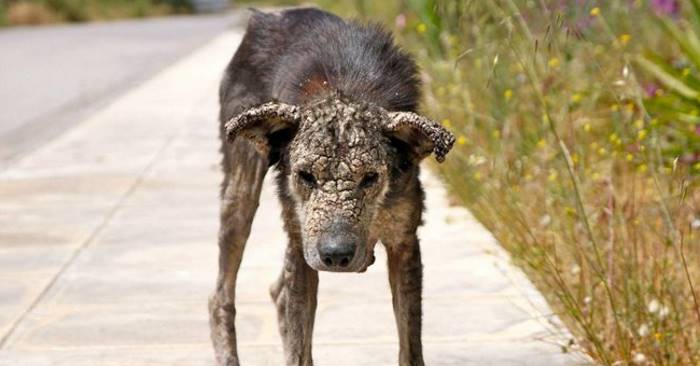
{"x":331,"y":105}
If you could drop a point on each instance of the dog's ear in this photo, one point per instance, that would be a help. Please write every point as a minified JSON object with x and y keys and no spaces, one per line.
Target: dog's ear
{"x":261,"y":124}
{"x":421,"y":134}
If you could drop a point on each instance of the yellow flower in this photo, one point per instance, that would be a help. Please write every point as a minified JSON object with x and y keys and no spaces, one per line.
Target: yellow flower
{"x":496,"y":134}
{"x":696,"y":166}
{"x":629,"y":157}
{"x":685,"y":72}
{"x":576,"y":98}
{"x":625,"y":38}
{"x":462,"y":140}
{"x":575,"y":158}
{"x":528,"y":177}
{"x":554,"y":63}
{"x":452,"y":40}
{"x":595,"y":176}
{"x":602,"y":151}
{"x":477,"y":176}
{"x":595,"y":11}
{"x":615,"y":107}
{"x":639,"y":124}
{"x":447,"y":123}
{"x":587,"y":127}
{"x":629,"y":107}
{"x":552,"y":175}
{"x":508,"y":94}
{"x":642,"y":168}
{"x":614,"y":139}
{"x":541,"y":143}
{"x":658,"y":336}
{"x":421,"y":28}
{"x":641,"y":134}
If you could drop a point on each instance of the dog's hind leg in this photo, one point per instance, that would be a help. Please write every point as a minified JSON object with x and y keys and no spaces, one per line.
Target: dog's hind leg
{"x":294,"y":294}
{"x":243,"y":180}
{"x":405,"y":278}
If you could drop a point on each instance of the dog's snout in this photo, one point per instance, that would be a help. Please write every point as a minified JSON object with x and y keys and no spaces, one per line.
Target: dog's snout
{"x":337,"y":252}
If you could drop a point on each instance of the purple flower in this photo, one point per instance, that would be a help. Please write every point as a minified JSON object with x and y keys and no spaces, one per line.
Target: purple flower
{"x":666,"y":7}
{"x":400,"y":21}
{"x":651,"y":90}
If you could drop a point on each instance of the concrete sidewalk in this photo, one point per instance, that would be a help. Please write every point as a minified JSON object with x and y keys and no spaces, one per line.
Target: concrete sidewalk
{"x":108,"y":254}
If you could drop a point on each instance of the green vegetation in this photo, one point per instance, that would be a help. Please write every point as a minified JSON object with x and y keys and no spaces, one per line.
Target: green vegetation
{"x":575,"y":167}
{"x":3,"y":15}
{"x":677,"y":111}
{"x":29,"y":12}
{"x":578,"y":148}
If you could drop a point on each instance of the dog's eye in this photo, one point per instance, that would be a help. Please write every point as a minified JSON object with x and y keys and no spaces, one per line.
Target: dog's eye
{"x":369,"y":180}
{"x":307,"y":178}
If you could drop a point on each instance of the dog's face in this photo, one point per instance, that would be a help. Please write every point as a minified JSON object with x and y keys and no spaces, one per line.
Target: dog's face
{"x":341,"y":159}
{"x":339,"y":163}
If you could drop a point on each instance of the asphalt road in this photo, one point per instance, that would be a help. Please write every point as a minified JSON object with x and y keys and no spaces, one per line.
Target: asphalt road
{"x":52,"y":77}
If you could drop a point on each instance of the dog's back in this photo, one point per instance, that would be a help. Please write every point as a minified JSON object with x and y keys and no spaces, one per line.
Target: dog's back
{"x":299,"y":55}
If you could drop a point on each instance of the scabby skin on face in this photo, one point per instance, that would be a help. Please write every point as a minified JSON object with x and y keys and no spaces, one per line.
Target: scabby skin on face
{"x":339,"y":176}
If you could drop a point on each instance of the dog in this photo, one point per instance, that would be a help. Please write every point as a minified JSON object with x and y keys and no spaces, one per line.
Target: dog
{"x":331,"y":105}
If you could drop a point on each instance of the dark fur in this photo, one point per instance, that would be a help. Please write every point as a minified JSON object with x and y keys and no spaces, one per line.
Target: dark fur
{"x":299,"y":57}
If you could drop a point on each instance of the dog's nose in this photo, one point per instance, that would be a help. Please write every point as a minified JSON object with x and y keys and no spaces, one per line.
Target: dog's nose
{"x":337,"y":252}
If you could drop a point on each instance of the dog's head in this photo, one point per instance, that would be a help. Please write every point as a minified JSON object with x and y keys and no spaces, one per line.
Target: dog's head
{"x":341,"y":160}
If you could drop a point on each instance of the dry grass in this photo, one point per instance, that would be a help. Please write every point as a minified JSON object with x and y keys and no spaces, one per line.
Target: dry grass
{"x":558,"y":157}
{"x":35,"y":12}
{"x":25,"y":13}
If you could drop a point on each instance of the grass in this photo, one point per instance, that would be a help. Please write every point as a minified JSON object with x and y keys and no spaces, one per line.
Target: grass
{"x":569,"y":154}
{"x":34,"y":12}
{"x":560,"y":160}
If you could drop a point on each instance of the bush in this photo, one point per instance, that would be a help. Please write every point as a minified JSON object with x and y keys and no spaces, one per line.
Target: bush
{"x":3,"y":14}
{"x":71,"y":10}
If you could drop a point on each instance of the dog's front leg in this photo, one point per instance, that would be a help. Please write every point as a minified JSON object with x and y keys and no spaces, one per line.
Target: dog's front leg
{"x":239,"y":201}
{"x":406,"y":280}
{"x":294,"y":294}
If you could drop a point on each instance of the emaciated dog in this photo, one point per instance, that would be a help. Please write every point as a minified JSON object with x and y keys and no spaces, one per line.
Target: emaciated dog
{"x":332,"y":106}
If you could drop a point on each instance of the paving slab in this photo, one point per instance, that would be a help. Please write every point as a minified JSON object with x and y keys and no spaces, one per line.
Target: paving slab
{"x":108,"y":253}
